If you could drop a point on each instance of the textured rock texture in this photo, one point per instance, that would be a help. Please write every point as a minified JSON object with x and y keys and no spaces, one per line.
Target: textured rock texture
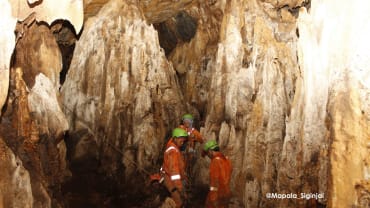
{"x":274,"y":114}
{"x":49,"y":10}
{"x":155,"y":11}
{"x":252,"y":89}
{"x":25,"y":12}
{"x":121,"y":95}
{"x":33,"y":124}
{"x":7,"y":43}
{"x":340,"y":74}
{"x":14,"y":180}
{"x":282,"y":85}
{"x":39,"y":56}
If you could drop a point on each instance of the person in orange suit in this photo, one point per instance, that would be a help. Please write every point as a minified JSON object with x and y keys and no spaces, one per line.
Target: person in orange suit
{"x":189,"y":147}
{"x":173,"y":167}
{"x":220,"y":171}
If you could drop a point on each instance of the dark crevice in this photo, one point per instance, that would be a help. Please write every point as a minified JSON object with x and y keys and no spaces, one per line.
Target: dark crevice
{"x":66,"y":37}
{"x":175,"y":31}
{"x":186,"y":26}
{"x":67,"y":53}
{"x":167,"y":38}
{"x":307,"y":4}
{"x":295,"y":10}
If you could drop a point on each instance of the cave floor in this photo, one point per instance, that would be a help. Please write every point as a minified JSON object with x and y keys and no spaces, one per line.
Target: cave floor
{"x":91,"y":189}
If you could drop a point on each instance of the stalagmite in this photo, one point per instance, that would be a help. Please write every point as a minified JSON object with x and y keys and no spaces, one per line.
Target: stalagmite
{"x":130,"y":96}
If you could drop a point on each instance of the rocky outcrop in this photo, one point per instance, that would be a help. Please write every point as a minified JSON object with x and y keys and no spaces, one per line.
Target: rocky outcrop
{"x":14,"y":180}
{"x":92,"y":7}
{"x":282,"y":86}
{"x":336,"y":74}
{"x":248,"y":73}
{"x":255,"y":73}
{"x":273,"y":113}
{"x":159,"y":11}
{"x":121,"y":95}
{"x":33,"y":124}
{"x":155,"y":11}
{"x":26,"y":12}
{"x":41,"y":74}
{"x":48,"y":11}
{"x":7,"y":43}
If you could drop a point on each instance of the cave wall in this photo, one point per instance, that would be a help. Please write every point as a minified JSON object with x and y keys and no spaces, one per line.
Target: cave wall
{"x":338,"y":53}
{"x":6,"y":40}
{"x":17,"y":15}
{"x":15,"y":180}
{"x":270,"y":98}
{"x":253,"y":86}
{"x":282,"y":85}
{"x":32,"y":124}
{"x":121,"y":95}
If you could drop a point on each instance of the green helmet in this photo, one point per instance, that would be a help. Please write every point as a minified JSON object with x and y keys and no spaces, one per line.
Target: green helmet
{"x":210,"y":145}
{"x":179,"y":132}
{"x":187,"y":116}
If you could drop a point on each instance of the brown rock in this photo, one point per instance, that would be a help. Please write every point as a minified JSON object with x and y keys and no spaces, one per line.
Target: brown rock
{"x":121,"y":92}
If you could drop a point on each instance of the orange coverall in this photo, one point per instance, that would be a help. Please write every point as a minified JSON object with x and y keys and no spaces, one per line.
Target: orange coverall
{"x":219,"y":172}
{"x":174,"y":171}
{"x":194,"y":136}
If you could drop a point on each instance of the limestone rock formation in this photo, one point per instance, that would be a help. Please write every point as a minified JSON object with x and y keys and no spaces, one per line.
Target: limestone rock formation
{"x":7,"y":43}
{"x":283,"y":86}
{"x":335,"y":69}
{"x":15,"y":180}
{"x":41,"y":74}
{"x":155,"y":11}
{"x":33,"y":123}
{"x":22,"y":129}
{"x":121,"y":95}
{"x":49,"y":10}
{"x":13,"y":10}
